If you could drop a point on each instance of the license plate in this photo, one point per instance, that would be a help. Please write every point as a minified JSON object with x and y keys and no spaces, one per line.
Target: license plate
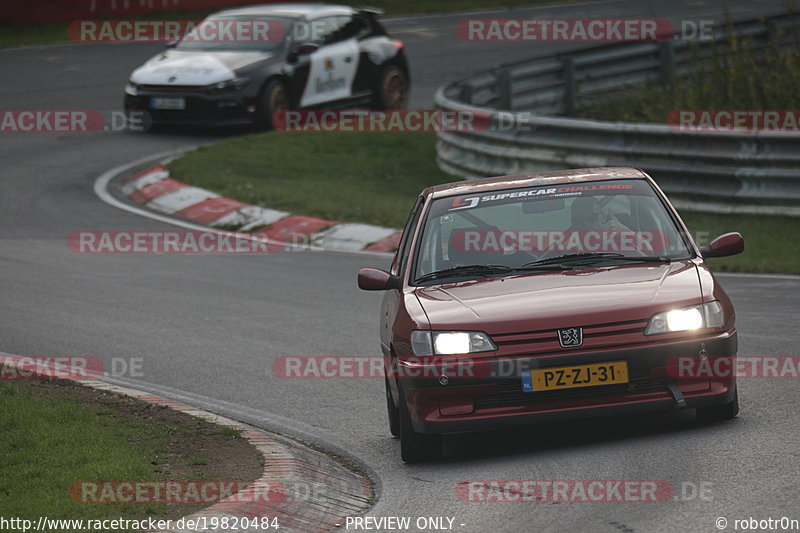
{"x":568,"y":377}
{"x":168,"y":103}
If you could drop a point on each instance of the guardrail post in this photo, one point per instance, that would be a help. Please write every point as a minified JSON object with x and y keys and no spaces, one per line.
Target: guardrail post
{"x":570,"y":86}
{"x":503,"y":84}
{"x":666,"y":52}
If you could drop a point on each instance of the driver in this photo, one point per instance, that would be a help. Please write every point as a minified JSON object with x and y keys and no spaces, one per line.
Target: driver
{"x":588,"y":215}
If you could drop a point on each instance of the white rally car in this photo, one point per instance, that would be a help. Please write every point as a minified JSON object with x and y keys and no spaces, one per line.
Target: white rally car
{"x":321,"y":56}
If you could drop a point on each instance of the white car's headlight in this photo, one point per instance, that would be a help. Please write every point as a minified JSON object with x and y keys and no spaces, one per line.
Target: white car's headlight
{"x":235,"y":84}
{"x":450,"y":342}
{"x":131,"y":89}
{"x":708,"y":315}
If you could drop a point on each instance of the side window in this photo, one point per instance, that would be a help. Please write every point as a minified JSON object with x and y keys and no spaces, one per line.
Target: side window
{"x":349,"y":27}
{"x":401,"y":257}
{"x":320,"y":31}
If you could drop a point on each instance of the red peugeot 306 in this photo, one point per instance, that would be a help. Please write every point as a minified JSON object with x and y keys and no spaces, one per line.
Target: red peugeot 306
{"x":549,"y":296}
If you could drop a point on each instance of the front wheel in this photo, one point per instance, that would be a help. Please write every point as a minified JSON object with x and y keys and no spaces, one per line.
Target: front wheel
{"x":273,"y":99}
{"x":718,"y":413}
{"x":416,"y":447}
{"x":391,"y":91}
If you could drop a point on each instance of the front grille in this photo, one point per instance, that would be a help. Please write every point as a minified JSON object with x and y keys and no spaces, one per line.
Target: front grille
{"x":174,"y":88}
{"x":594,"y":336}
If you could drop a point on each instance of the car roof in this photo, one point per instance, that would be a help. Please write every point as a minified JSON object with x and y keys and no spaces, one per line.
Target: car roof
{"x":299,"y":10}
{"x":532,"y":179}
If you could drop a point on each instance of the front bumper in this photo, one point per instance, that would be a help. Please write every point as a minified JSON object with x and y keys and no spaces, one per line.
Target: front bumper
{"x":201,"y":108}
{"x":490,"y":393}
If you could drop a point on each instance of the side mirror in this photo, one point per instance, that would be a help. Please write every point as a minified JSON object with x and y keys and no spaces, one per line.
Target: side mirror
{"x":373,"y":279}
{"x":724,"y":245}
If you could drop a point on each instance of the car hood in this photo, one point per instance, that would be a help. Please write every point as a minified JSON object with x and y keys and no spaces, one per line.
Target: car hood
{"x":551,"y":300}
{"x":178,"y":67}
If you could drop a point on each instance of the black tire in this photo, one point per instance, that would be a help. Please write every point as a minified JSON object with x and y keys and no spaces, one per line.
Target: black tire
{"x":718,"y":413}
{"x":392,"y":410}
{"x":391,"y":90}
{"x":274,"y":97}
{"x":416,"y":447}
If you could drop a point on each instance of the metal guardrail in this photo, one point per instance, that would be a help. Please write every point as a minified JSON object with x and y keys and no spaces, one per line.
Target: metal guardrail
{"x":747,"y":168}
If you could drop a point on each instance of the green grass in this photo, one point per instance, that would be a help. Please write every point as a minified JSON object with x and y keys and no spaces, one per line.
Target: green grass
{"x":38,"y":34}
{"x":355,"y":177}
{"x":49,"y":443}
{"x":770,"y":242}
{"x":32,"y":34}
{"x":374,"y":178}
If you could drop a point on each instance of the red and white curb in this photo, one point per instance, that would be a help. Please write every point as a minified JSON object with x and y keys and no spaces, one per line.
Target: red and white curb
{"x":318,"y":493}
{"x":154,"y":189}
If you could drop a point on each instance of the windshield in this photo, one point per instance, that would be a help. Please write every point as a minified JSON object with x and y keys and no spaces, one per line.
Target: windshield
{"x":567,"y":225}
{"x":237,"y":33}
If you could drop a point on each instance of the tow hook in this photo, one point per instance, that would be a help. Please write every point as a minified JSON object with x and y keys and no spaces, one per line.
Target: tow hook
{"x":677,"y":395}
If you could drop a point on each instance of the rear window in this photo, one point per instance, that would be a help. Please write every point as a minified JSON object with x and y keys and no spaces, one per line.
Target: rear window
{"x":516,"y":226}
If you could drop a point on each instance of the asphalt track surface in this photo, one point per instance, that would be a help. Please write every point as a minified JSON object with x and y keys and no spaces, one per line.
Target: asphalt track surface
{"x":207,"y":328}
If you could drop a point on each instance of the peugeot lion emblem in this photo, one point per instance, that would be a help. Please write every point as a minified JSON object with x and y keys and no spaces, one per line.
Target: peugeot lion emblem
{"x":570,"y":337}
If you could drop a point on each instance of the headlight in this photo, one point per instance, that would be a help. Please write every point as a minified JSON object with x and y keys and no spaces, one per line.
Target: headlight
{"x":450,"y":342}
{"x":709,"y":315}
{"x":131,"y":88}
{"x":236,"y":84}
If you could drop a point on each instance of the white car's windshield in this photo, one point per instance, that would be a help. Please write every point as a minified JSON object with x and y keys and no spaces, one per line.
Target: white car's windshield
{"x":616,"y":221}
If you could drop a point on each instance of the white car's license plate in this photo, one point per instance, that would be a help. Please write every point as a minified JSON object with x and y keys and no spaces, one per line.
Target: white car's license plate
{"x":168,"y":103}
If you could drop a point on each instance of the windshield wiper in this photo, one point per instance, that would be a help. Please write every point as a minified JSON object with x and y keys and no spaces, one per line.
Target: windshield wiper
{"x":593,"y":257}
{"x":464,"y":270}
{"x":642,"y":258}
{"x":482,"y":270}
